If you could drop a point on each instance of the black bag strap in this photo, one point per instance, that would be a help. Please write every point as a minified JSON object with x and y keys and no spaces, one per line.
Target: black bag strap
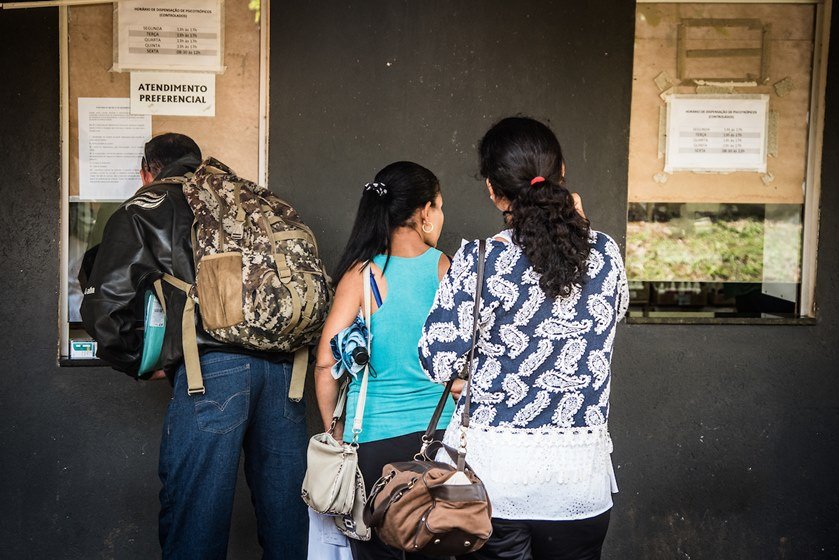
{"x":428,"y":437}
{"x":476,"y":316}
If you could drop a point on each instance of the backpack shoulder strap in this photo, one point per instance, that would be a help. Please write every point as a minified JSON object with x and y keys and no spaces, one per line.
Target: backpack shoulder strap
{"x":189,"y":336}
{"x":298,"y":374}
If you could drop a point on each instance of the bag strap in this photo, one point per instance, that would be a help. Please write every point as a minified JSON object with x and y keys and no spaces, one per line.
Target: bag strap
{"x":192,"y":360}
{"x":345,"y":385}
{"x":342,"y":401}
{"x":298,"y":374}
{"x":428,"y":437}
{"x":476,"y":316}
{"x":358,"y":420}
{"x":189,"y":336}
{"x":158,"y":290}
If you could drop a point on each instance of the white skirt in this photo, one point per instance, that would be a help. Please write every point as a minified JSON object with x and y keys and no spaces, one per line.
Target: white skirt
{"x":547,"y":474}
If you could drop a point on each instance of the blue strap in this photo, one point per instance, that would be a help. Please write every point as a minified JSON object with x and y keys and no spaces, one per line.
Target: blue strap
{"x":376,"y":294}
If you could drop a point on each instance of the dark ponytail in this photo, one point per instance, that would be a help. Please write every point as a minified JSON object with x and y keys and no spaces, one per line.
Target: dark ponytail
{"x":389,"y":202}
{"x":523,"y":161}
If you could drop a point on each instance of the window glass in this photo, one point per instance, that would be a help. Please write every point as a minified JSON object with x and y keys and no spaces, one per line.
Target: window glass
{"x":87,"y":222}
{"x":714,"y":260}
{"x":720,"y":146}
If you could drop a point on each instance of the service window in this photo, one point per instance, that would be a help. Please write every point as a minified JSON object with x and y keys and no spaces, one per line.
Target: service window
{"x":134,"y":69}
{"x":724,"y":163}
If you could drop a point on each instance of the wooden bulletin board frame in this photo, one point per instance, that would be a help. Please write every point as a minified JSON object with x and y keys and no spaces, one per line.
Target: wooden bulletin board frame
{"x":237,"y":135}
{"x":659,"y":42}
{"x":683,"y":53}
{"x":799,"y":183}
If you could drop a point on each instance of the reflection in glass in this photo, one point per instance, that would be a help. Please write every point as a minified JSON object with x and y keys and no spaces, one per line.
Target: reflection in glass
{"x":87,"y":222}
{"x":714,"y":260}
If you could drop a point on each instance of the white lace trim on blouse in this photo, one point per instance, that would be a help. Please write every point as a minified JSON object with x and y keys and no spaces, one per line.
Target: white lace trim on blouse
{"x":550,"y":474}
{"x":506,"y":235}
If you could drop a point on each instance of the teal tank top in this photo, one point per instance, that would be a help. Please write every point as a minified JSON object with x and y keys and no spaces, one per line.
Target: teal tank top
{"x":400,"y":398}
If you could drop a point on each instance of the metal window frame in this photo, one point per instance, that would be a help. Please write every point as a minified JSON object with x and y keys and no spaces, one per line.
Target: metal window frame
{"x":815,"y":140}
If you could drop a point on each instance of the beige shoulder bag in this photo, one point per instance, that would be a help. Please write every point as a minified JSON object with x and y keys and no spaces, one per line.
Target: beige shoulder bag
{"x":333,"y":484}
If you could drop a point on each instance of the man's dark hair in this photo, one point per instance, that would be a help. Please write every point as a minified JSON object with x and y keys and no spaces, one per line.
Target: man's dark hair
{"x":167,"y":148}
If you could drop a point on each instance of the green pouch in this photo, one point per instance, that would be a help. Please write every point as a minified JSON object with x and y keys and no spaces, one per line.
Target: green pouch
{"x":153,"y":330}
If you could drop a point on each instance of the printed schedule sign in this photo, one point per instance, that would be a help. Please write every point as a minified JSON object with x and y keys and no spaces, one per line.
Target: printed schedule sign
{"x":181,"y":35}
{"x":708,"y":133}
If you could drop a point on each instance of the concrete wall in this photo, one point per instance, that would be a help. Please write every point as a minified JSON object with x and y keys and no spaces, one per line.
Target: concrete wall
{"x":725,"y":436}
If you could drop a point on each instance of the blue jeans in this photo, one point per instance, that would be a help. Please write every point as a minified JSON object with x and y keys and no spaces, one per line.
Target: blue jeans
{"x":246,"y":407}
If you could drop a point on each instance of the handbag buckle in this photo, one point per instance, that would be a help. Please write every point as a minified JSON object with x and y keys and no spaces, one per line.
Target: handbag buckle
{"x":426,"y":441}
{"x":462,"y":449}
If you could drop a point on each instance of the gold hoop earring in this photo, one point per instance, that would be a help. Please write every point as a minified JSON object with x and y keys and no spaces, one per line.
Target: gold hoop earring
{"x":430,"y":229}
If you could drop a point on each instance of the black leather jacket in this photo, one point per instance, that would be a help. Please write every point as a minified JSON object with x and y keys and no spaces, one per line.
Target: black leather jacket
{"x":150,"y":234}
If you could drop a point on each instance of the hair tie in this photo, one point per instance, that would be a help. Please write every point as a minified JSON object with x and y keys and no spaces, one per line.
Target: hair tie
{"x":380,"y":188}
{"x":538,"y":179}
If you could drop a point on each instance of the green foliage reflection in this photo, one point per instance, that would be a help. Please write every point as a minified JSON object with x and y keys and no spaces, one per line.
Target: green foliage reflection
{"x":721,"y":243}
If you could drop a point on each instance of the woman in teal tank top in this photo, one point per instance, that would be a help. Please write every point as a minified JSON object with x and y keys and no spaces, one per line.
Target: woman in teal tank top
{"x":400,"y":399}
{"x":396,"y":229}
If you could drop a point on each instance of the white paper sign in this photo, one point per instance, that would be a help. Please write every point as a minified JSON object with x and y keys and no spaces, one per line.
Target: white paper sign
{"x":111,"y":142}
{"x":716,"y":133}
{"x":169,"y":35}
{"x":170,"y":93}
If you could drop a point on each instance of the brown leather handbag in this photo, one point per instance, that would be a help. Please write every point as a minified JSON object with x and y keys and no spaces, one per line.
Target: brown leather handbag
{"x":431,"y":507}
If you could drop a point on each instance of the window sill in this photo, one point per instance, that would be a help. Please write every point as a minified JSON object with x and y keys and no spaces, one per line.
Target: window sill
{"x":778,"y":321}
{"x":64,"y":361}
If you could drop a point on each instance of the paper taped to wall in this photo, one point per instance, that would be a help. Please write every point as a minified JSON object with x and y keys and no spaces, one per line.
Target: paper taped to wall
{"x":111,"y":142}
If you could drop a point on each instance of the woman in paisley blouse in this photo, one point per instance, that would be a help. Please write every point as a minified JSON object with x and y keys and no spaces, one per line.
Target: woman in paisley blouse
{"x":553,"y":292}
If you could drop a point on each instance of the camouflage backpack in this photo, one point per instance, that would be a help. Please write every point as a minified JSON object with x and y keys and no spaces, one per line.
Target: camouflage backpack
{"x":259,"y":282}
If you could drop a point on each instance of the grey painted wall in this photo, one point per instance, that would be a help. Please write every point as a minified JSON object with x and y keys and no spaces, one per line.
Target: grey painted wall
{"x":725,"y":436}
